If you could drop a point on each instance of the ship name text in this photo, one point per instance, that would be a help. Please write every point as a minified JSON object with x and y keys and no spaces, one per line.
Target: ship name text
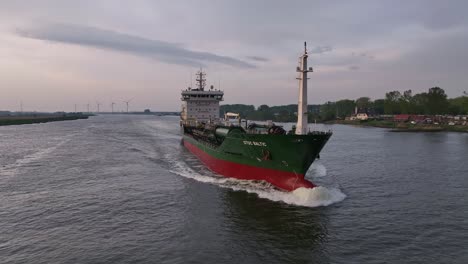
{"x":254,"y":143}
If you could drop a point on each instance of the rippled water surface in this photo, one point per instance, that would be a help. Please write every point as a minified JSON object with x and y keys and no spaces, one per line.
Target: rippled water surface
{"x":121,"y":189}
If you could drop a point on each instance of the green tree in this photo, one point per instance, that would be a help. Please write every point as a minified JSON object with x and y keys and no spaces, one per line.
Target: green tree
{"x":328,"y":111}
{"x":404,"y":102}
{"x":392,"y":103}
{"x":344,"y":108}
{"x":379,"y":106}
{"x":264,"y":108}
{"x":283,"y":116}
{"x":458,"y":105}
{"x":264,"y":113}
{"x":437,"y":100}
{"x":363,"y":102}
{"x":419,"y":104}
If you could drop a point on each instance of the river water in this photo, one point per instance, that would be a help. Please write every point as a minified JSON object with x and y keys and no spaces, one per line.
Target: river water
{"x":121,"y":189}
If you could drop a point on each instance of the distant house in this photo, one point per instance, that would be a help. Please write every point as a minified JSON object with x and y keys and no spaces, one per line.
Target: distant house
{"x":362,"y":116}
{"x":412,"y":118}
{"x":401,"y":118}
{"x":359,"y":114}
{"x":418,"y":118}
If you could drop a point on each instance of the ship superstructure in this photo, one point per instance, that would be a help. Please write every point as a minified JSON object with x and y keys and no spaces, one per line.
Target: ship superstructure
{"x":200,"y":105}
{"x":254,"y":152}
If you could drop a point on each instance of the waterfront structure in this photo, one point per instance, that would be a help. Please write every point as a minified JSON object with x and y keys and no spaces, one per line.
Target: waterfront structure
{"x":362,"y":116}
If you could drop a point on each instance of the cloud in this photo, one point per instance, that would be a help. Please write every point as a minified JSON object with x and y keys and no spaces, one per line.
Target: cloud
{"x":257,"y":58}
{"x":320,"y":49}
{"x":111,"y":40}
{"x":416,"y":44}
{"x":363,"y":54}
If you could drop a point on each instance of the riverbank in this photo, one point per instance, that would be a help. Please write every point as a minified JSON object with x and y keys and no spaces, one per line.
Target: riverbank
{"x":402,"y":127}
{"x":33,"y":119}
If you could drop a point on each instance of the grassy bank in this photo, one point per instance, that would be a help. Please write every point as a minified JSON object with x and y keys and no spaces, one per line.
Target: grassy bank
{"x":402,"y":127}
{"x":22,"y":120}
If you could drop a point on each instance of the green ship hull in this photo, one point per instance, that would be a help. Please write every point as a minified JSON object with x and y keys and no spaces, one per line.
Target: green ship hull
{"x":281,"y":160}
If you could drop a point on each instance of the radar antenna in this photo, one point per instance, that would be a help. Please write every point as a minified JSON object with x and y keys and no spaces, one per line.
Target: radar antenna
{"x":201,"y":80}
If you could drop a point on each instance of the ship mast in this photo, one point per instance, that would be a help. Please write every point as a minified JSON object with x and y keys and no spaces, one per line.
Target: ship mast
{"x":201,"y":80}
{"x":301,"y":128}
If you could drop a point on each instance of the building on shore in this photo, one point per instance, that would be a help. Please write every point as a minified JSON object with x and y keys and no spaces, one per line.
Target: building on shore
{"x":361,"y":114}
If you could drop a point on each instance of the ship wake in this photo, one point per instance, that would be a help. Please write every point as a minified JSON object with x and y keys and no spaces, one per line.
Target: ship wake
{"x":318,"y":196}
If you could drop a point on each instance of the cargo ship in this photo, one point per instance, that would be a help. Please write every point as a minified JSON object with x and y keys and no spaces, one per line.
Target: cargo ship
{"x":259,"y":152}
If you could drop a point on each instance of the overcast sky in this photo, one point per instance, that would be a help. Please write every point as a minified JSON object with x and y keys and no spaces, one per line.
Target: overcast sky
{"x":55,"y":54}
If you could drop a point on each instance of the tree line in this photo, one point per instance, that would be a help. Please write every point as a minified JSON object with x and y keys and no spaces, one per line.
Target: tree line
{"x":432,"y":102}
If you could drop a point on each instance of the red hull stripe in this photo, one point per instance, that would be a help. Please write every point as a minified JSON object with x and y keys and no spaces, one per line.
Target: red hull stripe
{"x":284,"y":180}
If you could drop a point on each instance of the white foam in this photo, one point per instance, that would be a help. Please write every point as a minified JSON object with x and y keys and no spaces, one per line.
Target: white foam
{"x":12,"y":169}
{"x":318,"y":196}
{"x":183,"y":170}
{"x":318,"y":170}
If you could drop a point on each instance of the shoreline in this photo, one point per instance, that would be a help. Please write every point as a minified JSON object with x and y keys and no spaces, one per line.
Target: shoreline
{"x":24,"y":120}
{"x":402,"y":127}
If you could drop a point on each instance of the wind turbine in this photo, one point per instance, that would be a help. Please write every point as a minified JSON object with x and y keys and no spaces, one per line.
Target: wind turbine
{"x":87,"y":107}
{"x":112,"y":105}
{"x":98,"y":104}
{"x":126,"y":102}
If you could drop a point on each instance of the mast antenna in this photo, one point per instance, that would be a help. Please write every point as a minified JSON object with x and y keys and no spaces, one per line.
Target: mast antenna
{"x":302,"y":111}
{"x":201,"y":80}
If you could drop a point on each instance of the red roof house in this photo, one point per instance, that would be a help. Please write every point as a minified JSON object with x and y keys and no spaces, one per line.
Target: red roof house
{"x":401,"y":118}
